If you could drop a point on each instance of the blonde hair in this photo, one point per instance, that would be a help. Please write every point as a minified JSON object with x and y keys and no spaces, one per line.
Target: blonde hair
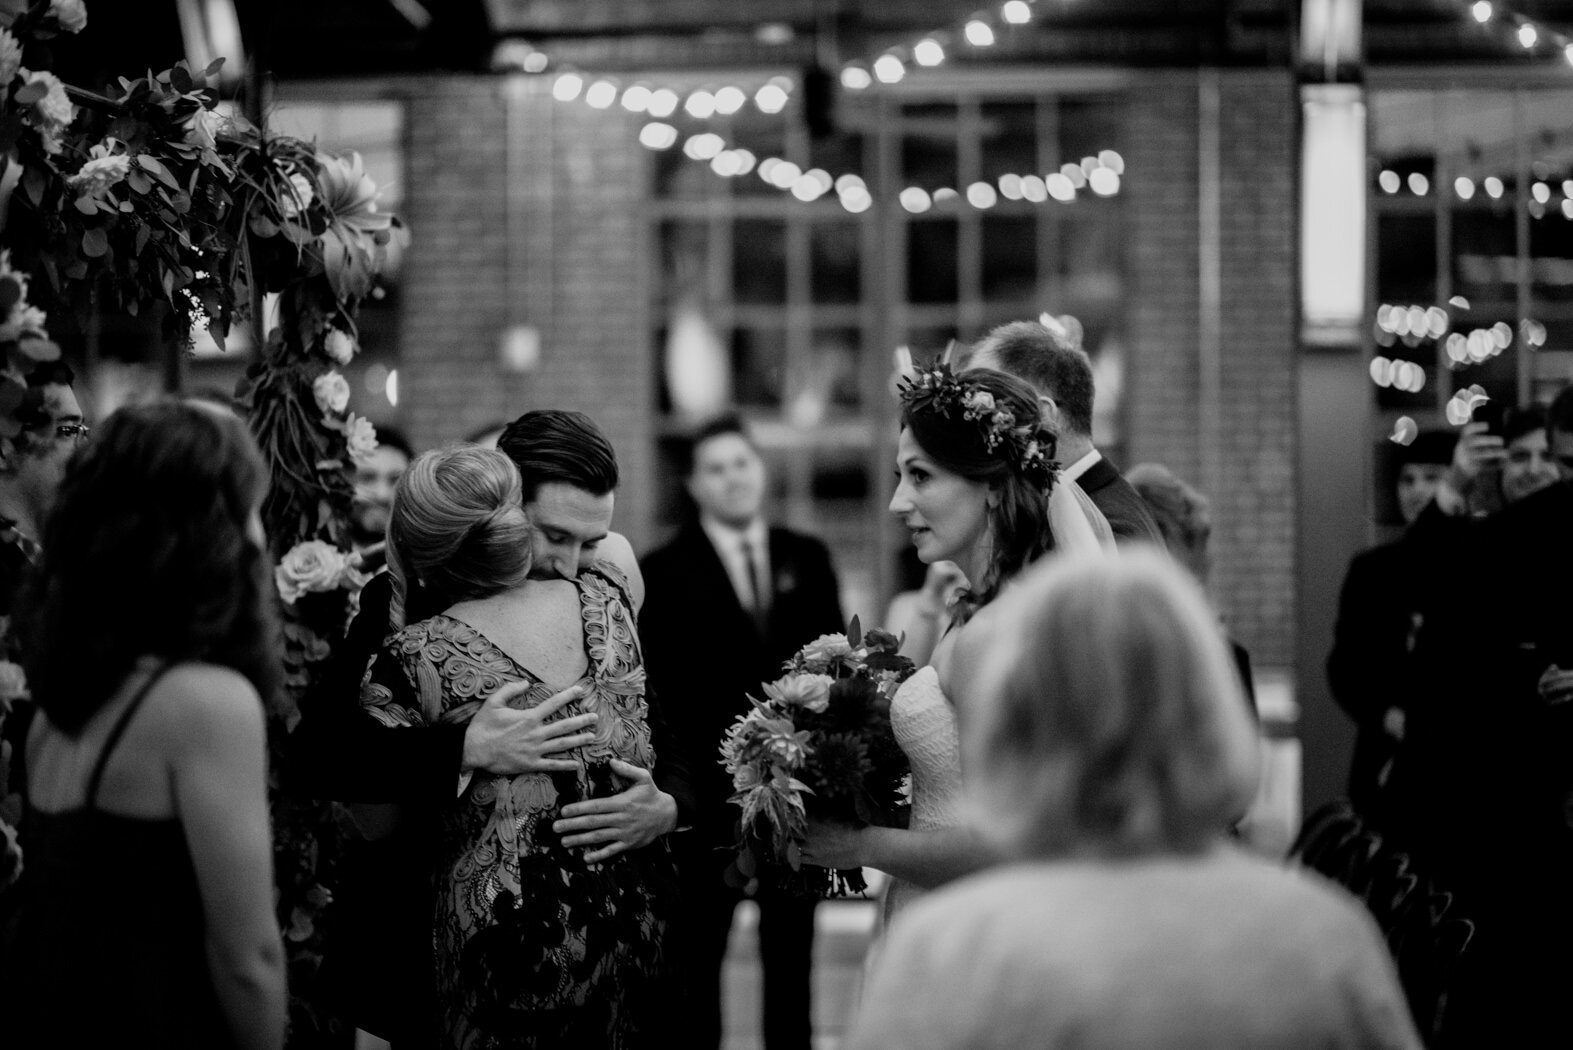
{"x":1110,"y":720}
{"x":457,"y":528}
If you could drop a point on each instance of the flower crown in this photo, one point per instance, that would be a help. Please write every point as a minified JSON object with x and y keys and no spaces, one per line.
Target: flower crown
{"x":1029,"y":448}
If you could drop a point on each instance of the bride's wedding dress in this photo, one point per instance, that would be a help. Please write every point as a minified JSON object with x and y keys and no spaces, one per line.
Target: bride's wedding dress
{"x":924,"y":725}
{"x":923,"y":720}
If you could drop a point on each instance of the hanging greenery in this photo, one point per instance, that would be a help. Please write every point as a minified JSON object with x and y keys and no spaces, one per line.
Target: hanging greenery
{"x":152,"y":200}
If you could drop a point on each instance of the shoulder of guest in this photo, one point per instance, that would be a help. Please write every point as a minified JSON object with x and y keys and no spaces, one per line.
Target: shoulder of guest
{"x":201,"y":702}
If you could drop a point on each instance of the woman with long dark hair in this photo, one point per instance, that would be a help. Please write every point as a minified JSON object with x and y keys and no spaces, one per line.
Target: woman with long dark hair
{"x":147,"y":910}
{"x":978,"y":487}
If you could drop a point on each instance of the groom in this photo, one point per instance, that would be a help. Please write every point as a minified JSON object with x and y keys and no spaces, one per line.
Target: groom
{"x":1052,"y":360}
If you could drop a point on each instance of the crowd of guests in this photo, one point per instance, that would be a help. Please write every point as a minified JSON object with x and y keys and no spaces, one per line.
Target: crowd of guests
{"x":523,"y":718}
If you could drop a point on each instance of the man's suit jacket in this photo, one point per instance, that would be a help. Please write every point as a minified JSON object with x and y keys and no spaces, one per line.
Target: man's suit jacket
{"x":1121,"y":504}
{"x":705,"y":654}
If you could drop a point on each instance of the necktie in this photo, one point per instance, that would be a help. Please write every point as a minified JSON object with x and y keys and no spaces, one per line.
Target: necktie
{"x":757,"y":599}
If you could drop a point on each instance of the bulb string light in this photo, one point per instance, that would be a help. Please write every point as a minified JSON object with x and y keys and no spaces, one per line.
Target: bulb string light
{"x":1530,"y":35}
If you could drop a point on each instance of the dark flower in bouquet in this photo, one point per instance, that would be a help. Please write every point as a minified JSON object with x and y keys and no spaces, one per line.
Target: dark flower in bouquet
{"x":818,"y":743}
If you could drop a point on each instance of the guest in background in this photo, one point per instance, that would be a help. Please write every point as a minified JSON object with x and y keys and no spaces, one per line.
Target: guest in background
{"x":1184,"y":516}
{"x":919,"y":615}
{"x":1370,"y":669}
{"x":748,"y":595}
{"x":151,"y":645}
{"x":376,"y":477}
{"x":1106,"y":749}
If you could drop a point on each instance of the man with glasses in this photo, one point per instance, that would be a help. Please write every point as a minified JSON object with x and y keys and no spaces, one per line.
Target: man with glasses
{"x":32,"y":464}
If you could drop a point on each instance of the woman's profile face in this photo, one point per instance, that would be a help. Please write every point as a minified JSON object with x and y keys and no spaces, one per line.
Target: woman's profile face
{"x":946,"y":513}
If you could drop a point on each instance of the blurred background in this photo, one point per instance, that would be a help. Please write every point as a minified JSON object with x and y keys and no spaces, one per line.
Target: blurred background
{"x":1285,"y":225}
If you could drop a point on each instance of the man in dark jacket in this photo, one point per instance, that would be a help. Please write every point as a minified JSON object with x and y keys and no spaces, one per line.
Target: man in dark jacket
{"x":730,"y":599}
{"x":1053,"y":361}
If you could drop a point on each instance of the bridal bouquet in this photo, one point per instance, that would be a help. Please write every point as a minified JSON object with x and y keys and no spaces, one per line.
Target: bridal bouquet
{"x":820,"y":742}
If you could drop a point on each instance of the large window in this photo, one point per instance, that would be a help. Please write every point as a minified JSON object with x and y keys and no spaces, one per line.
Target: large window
{"x":1473,"y":239}
{"x":793,"y":310}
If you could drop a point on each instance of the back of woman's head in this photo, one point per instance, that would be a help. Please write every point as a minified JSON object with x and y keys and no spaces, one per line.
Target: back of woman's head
{"x":457,"y":529}
{"x":1018,"y":513}
{"x":147,"y":552}
{"x":1112,"y":722}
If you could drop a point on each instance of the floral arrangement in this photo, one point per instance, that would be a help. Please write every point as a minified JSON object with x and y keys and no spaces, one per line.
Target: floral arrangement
{"x":1029,"y":446}
{"x":820,"y":742}
{"x":151,"y":201}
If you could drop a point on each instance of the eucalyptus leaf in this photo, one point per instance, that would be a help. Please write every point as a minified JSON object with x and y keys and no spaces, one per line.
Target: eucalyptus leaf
{"x":95,"y":242}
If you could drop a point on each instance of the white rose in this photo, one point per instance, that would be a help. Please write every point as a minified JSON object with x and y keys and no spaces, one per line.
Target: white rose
{"x":332,"y":392}
{"x":71,"y":14}
{"x":25,"y":317}
{"x":10,"y":57}
{"x":339,"y":346}
{"x":745,"y":777}
{"x":312,"y":566}
{"x":13,"y":682}
{"x":362,"y":437}
{"x":299,"y":198}
{"x":54,"y":110}
{"x":100,"y":174}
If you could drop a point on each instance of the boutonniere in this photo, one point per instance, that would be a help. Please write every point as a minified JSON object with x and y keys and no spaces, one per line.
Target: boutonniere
{"x":786,"y":580}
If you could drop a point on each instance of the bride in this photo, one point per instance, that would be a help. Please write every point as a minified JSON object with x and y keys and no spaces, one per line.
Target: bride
{"x":976,"y":486}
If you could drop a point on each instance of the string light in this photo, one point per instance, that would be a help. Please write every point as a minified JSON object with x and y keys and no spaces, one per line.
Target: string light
{"x":1016,"y":12}
{"x":1482,"y":11}
{"x":979,"y":33}
{"x":928,"y":52}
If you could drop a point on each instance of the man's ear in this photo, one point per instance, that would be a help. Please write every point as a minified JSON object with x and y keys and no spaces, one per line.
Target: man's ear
{"x":1049,"y":411}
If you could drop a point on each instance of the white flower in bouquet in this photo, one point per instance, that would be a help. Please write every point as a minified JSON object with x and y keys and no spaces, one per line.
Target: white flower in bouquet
{"x":314,"y":567}
{"x":71,"y":14}
{"x":339,"y":346}
{"x":13,"y":683}
{"x":362,"y":437}
{"x":745,"y":778}
{"x":332,"y":392}
{"x":10,"y":57}
{"x":804,"y":690}
{"x":816,"y":655}
{"x":299,"y":197}
{"x":100,"y":174}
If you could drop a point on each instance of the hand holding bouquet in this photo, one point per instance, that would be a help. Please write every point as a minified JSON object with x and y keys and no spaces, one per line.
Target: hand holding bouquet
{"x":819,"y":741}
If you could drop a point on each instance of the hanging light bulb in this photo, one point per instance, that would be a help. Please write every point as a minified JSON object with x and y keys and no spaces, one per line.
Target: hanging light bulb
{"x":1527,"y":35}
{"x":928,"y":52}
{"x":889,"y":69}
{"x":1482,"y":11}
{"x":1016,"y":12}
{"x":978,"y":33}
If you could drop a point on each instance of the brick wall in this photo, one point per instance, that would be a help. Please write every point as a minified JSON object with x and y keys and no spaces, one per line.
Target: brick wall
{"x":494,"y":163}
{"x":578,"y":276}
{"x":1231,"y":437}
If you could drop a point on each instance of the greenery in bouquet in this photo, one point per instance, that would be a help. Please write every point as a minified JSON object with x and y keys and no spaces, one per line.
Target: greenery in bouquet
{"x":818,"y":744}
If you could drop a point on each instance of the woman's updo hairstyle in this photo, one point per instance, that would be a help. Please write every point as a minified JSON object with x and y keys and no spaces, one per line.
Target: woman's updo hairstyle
{"x":457,"y":529}
{"x":987,"y":427}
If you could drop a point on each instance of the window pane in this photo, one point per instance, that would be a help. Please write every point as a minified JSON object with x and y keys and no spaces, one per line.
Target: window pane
{"x":931,"y":261}
{"x":834,"y":366}
{"x":759,"y":271}
{"x":1008,"y":139}
{"x":1010,"y":257}
{"x":684,"y":251}
{"x":1485,"y":260}
{"x":759,"y":366}
{"x":834,"y":265}
{"x":928,"y":146}
{"x":1406,"y":258}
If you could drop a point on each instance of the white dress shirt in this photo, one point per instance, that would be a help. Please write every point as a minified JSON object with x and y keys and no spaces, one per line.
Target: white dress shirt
{"x":1081,"y":466}
{"x":728,"y":542}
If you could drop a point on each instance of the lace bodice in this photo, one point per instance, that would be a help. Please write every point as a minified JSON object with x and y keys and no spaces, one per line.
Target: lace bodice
{"x":924,"y":724}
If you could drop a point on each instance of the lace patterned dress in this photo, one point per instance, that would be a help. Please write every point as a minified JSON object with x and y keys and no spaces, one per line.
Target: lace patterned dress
{"x":534,"y":947}
{"x":924,"y":724}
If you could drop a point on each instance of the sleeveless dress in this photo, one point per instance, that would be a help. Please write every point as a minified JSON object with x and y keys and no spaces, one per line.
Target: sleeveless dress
{"x":109,"y":946}
{"x":924,"y":725}
{"x":534,"y":948}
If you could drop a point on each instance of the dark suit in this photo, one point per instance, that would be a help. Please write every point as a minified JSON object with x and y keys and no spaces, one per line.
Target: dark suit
{"x":1482,"y":783}
{"x":1370,"y":668}
{"x":382,"y":960}
{"x":705,"y":654}
{"x":1127,"y":512}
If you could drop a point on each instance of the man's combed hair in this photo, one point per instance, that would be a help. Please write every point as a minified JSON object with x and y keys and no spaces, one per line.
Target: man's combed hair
{"x":718,"y":426}
{"x":556,"y":445}
{"x":1109,"y":721}
{"x":1055,"y":366}
{"x":146,"y":553}
{"x":1559,"y":414}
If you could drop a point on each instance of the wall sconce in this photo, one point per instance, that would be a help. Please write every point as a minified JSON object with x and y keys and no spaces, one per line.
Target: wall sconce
{"x":1332,"y":214}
